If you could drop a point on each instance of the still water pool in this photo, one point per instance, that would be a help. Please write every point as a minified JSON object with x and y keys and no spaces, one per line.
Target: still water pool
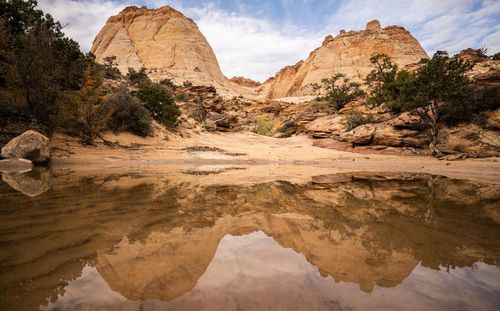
{"x":359,"y":241}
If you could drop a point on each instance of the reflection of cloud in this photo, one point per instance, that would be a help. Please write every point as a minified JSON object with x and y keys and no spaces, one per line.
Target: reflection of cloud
{"x":254,"y":272}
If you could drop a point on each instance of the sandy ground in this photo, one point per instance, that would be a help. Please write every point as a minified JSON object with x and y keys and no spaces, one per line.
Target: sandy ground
{"x":250,"y":157}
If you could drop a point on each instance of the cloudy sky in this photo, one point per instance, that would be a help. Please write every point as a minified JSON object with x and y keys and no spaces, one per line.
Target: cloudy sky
{"x":256,"y":38}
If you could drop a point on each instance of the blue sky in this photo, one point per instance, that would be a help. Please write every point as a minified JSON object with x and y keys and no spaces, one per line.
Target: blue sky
{"x":256,"y":38}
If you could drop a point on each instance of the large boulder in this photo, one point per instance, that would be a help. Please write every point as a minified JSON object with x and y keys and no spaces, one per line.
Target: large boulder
{"x":29,"y":145}
{"x":326,"y":126}
{"x":361,"y":135}
{"x":388,"y":135}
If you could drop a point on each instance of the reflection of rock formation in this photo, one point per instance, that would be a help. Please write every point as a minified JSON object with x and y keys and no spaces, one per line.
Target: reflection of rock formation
{"x":32,"y":183}
{"x":153,"y":237}
{"x":166,"y":265}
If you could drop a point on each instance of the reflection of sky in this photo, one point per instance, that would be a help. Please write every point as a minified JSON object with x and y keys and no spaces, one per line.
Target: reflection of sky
{"x":255,"y":272}
{"x":256,"y":38}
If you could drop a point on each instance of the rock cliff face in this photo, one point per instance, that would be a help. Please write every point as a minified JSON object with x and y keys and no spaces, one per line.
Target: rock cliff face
{"x":163,"y":40}
{"x":170,"y":45}
{"x":348,"y":53}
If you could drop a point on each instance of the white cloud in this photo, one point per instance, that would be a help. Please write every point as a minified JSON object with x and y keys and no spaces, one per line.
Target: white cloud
{"x":251,"y":47}
{"x":256,"y":48}
{"x":82,"y":19}
{"x":451,"y":25}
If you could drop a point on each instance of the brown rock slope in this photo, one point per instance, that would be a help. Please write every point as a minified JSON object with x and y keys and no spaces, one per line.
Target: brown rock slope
{"x":163,"y":40}
{"x":348,"y":53}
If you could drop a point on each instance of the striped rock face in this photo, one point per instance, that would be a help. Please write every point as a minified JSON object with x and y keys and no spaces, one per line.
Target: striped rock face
{"x":163,"y":40}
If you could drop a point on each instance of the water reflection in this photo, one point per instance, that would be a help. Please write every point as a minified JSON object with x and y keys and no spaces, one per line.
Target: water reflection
{"x":338,"y":242}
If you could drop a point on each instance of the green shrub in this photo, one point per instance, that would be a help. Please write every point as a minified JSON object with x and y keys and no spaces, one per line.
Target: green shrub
{"x":355,"y":118}
{"x":109,"y":68}
{"x":265,"y":126}
{"x":160,"y":104}
{"x":84,"y":112}
{"x":138,"y":77}
{"x":184,"y":97}
{"x":341,"y":91}
{"x":128,"y":114}
{"x":482,"y":98}
{"x":290,"y":127}
{"x":440,"y":84}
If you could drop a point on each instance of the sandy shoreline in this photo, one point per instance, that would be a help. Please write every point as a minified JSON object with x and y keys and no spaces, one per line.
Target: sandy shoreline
{"x":251,"y":156}
{"x":255,"y":154}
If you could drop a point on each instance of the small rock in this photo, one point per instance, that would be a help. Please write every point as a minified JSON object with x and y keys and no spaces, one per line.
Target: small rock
{"x":455,"y":157}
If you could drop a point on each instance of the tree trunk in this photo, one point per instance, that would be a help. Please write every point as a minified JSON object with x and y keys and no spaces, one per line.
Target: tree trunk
{"x":434,"y":132}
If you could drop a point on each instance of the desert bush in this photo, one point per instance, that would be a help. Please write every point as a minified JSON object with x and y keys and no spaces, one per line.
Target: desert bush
{"x":168,"y":83}
{"x":109,"y":68}
{"x":496,"y":56}
{"x":481,"y":99}
{"x":265,"y":126}
{"x":160,"y":104}
{"x":341,"y":91}
{"x":128,"y":114}
{"x":187,"y":83}
{"x":84,"y":112}
{"x":138,"y":77}
{"x":289,"y":127}
{"x":355,"y":118}
{"x":184,"y":97}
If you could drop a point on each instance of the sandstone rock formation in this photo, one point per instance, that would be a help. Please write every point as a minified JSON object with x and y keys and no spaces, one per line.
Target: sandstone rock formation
{"x":163,"y":40}
{"x":170,"y":45}
{"x":30,"y":145}
{"x":348,"y":53}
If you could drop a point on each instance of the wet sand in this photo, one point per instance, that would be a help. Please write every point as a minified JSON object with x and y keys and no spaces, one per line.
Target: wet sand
{"x":250,"y":156}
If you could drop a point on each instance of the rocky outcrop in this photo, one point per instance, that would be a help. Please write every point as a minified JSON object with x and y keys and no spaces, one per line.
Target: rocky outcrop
{"x":361,"y":135}
{"x":245,"y":82}
{"x":163,"y":40}
{"x":30,"y":145}
{"x":348,"y":53}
